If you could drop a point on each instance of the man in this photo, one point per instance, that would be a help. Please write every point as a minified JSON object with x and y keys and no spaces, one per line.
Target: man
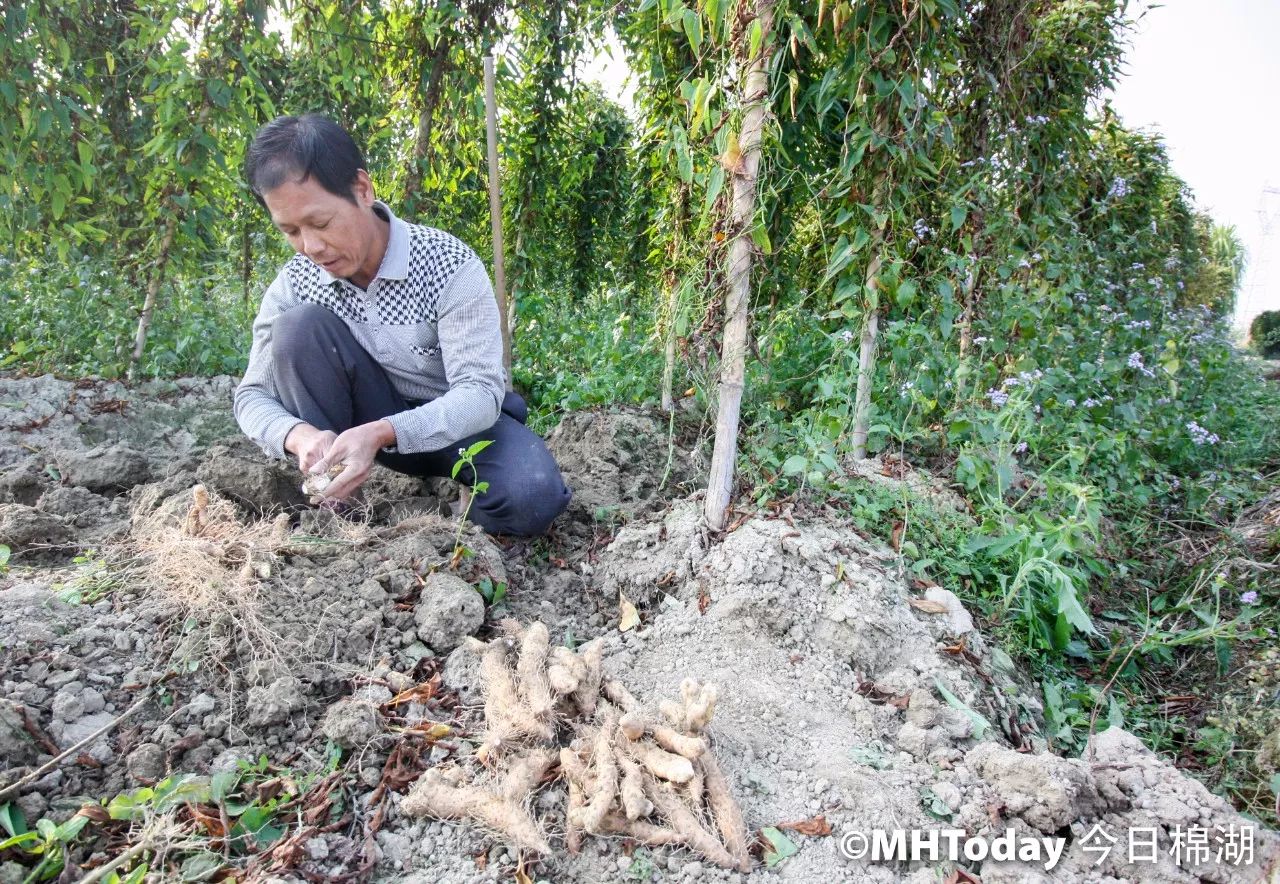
{"x":379,"y":340}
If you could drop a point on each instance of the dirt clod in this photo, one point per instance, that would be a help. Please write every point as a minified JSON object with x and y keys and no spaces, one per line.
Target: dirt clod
{"x":448,"y":612}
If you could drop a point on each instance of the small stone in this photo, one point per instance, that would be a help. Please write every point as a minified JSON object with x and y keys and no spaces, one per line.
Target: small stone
{"x":122,"y":641}
{"x":200,"y":706}
{"x":692,"y":869}
{"x":624,"y":863}
{"x":92,"y":701}
{"x":317,"y":848}
{"x":145,"y":764}
{"x":274,"y":704}
{"x":67,"y":705}
{"x":351,"y":722}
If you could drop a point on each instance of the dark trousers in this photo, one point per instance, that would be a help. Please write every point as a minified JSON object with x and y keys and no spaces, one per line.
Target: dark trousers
{"x":325,"y":377}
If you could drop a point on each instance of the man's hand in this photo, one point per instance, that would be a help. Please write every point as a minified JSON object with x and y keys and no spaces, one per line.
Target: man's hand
{"x":309,"y":445}
{"x":355,"y":449}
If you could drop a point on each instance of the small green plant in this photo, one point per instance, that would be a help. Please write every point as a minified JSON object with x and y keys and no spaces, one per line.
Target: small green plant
{"x":94,"y":580}
{"x":47,"y":843}
{"x":493,"y":592}
{"x":466,"y":458}
{"x":642,"y":867}
{"x":5,"y":552}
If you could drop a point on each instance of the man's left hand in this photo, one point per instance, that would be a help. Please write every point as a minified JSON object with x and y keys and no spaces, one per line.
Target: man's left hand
{"x":355,"y":450}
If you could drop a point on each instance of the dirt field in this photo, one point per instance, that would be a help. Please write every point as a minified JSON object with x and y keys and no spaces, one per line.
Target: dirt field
{"x":252,"y":687}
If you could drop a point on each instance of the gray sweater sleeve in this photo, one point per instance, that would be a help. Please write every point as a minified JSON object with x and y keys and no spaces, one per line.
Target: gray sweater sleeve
{"x":257,"y":408}
{"x":471,"y":346}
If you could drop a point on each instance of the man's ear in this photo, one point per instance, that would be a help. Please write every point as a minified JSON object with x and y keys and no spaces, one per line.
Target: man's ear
{"x":363,"y":189}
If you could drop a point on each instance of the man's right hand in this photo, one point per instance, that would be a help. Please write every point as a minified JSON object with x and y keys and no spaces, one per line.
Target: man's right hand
{"x":309,"y":445}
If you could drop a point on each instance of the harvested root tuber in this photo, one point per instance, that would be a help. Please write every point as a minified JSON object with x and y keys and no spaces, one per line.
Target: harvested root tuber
{"x":532,"y":669}
{"x":315,"y":484}
{"x":661,"y":763}
{"x":632,"y":725}
{"x":686,"y":823}
{"x":634,"y":802}
{"x":690,"y":747}
{"x":566,"y":671}
{"x":433,"y":796}
{"x":727,"y":814}
{"x":588,"y":692}
{"x":658,"y":784}
{"x":508,"y":717}
{"x":604,"y":788}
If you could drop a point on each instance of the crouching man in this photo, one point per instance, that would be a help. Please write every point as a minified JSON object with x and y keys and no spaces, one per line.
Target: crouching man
{"x":380,"y":340}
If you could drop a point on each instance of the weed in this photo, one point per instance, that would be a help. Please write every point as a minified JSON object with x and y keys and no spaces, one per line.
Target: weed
{"x":95,"y":579}
{"x":466,"y":458}
{"x":493,"y":592}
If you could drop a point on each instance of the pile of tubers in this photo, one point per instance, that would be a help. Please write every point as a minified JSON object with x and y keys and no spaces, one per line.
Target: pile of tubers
{"x":549,"y":714}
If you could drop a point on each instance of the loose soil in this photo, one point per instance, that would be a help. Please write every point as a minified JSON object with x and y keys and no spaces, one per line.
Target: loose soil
{"x":248,"y":631}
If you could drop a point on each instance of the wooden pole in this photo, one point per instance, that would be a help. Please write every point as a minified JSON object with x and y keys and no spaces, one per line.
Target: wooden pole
{"x":495,"y":212}
{"x":733,"y":350}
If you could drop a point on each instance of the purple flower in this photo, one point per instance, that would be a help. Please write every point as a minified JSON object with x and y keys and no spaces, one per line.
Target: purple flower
{"x":998,"y":397}
{"x":1019,"y":448}
{"x":1249,"y":598}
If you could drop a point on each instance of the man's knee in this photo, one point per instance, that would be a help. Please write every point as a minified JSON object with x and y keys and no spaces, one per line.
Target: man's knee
{"x":526,"y":494}
{"x":299,"y":329}
{"x":539,"y":497}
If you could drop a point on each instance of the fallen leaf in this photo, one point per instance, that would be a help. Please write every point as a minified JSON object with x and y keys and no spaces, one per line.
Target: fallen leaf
{"x":816,"y":826}
{"x":95,"y":812}
{"x":209,"y":818}
{"x":704,"y":600}
{"x":898,"y":528}
{"x":418,"y":693}
{"x":929,"y":606}
{"x":777,"y":846}
{"x":630,"y":616}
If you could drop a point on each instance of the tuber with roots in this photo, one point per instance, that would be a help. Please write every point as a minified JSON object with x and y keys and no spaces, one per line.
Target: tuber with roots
{"x":432,"y":795}
{"x":549,"y":714}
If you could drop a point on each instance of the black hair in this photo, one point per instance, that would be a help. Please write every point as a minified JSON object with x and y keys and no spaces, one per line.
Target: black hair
{"x":298,"y":148}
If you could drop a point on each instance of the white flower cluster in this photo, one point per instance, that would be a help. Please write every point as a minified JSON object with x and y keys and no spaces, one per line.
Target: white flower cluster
{"x":1201,"y":436}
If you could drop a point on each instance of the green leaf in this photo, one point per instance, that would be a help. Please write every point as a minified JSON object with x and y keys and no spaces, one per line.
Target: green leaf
{"x":71,"y":828}
{"x":778,"y":848}
{"x":795,"y":465}
{"x":19,"y":840}
{"x":478,"y":447}
{"x":12,"y":820}
{"x":958,"y":214}
{"x":693,"y":29}
{"x":760,"y":237}
{"x":980,"y":723}
{"x":1069,"y":606}
{"x":757,"y":37}
{"x":200,"y":866}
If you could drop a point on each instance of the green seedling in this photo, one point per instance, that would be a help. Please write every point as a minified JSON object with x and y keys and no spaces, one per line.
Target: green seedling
{"x":466,"y":458}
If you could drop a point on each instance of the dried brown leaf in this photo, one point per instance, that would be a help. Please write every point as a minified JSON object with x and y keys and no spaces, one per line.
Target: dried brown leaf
{"x":815,"y":826}
{"x":929,"y":606}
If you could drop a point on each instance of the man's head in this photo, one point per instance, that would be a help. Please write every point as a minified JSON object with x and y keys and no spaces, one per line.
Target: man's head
{"x":309,"y":174}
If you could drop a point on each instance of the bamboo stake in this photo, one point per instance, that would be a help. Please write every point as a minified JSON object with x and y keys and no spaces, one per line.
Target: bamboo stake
{"x":755,"y":96}
{"x":495,"y":213}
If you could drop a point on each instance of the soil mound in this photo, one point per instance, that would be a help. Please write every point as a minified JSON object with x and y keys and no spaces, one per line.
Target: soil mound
{"x":228,"y":647}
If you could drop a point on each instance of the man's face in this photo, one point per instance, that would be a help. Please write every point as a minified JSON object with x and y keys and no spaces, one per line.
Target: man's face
{"x":339,"y":235}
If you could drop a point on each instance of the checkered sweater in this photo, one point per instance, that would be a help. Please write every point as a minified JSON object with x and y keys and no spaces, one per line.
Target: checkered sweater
{"x":429,"y":318}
